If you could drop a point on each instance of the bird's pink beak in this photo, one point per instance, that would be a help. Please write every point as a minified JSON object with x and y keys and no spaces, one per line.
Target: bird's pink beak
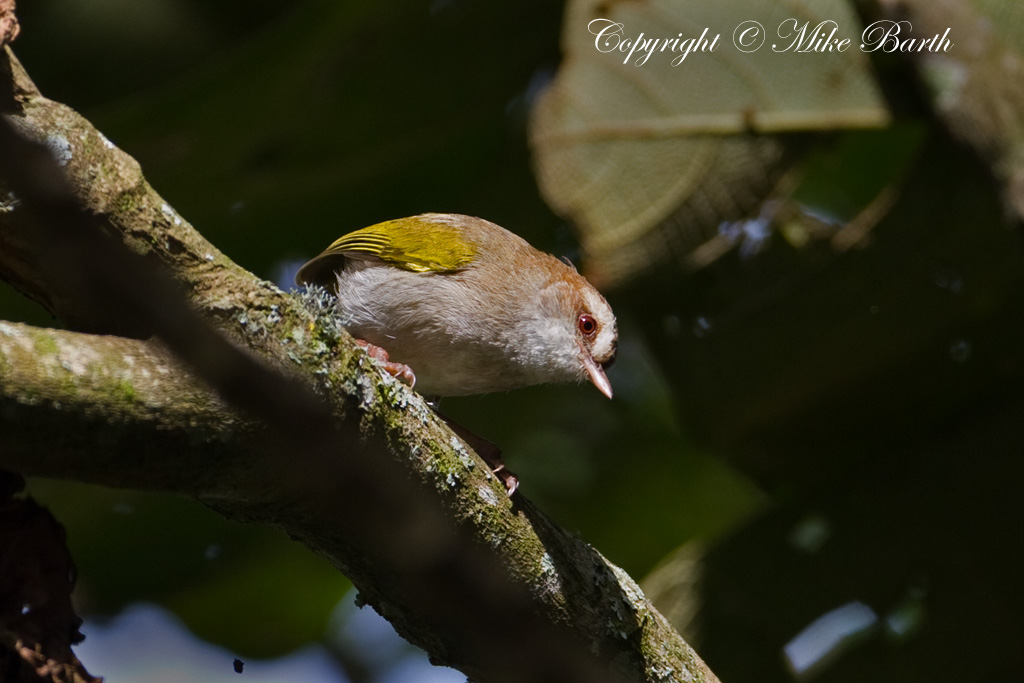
{"x":596,"y":373}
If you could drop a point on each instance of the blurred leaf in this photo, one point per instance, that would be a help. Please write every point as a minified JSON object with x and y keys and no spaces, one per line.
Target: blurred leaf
{"x":977,"y":85}
{"x":673,"y":585}
{"x":648,"y":157}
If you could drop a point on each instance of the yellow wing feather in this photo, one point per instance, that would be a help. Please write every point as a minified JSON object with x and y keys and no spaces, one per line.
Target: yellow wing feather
{"x":414,"y":244}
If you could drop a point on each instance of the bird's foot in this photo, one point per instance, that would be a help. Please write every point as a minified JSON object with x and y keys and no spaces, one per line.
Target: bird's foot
{"x":507,"y":479}
{"x":488,"y":451}
{"x":400,"y":371}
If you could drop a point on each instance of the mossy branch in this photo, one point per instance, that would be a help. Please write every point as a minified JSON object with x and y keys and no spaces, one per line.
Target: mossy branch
{"x":392,"y":498}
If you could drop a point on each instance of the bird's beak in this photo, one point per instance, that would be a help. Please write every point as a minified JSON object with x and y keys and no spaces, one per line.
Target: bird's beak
{"x":596,"y":373}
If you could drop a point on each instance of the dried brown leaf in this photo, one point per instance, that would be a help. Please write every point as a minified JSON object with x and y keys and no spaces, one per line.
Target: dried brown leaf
{"x":647,"y":158}
{"x":38,"y":624}
{"x":9,"y":27}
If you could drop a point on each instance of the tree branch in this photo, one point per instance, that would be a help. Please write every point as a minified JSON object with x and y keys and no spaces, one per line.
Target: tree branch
{"x":361,"y":480}
{"x":159,"y":427}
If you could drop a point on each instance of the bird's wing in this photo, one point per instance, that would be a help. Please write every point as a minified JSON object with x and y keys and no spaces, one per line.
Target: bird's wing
{"x":414,"y":244}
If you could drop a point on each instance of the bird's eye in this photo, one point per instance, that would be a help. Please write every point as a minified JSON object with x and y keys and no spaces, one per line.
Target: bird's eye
{"x":587,"y":325}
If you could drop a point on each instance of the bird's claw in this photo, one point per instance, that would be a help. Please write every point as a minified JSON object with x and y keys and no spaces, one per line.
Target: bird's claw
{"x":400,"y":371}
{"x":508,"y":480}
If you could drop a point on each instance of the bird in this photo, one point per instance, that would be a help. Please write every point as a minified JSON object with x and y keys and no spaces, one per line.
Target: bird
{"x":456,"y":305}
{"x":468,"y":306}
